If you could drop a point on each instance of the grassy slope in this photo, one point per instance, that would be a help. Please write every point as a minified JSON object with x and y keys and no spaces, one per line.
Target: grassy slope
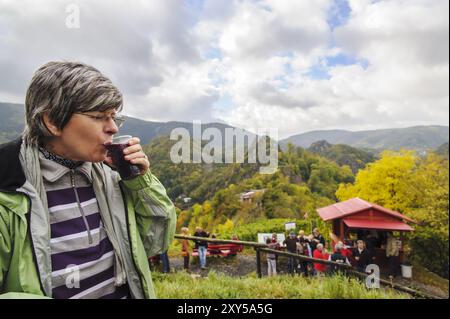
{"x":218,"y":286}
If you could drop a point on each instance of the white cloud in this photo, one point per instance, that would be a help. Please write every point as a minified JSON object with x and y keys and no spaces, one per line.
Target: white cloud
{"x":141,"y":46}
{"x":266,"y":28}
{"x":406,"y":82}
{"x":265,"y":57}
{"x":186,"y":91}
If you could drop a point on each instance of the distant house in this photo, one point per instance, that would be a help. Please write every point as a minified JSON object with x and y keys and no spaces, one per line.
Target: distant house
{"x":248,"y":197}
{"x":184,"y":199}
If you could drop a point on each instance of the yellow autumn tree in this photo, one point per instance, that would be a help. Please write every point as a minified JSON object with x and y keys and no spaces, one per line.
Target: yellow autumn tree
{"x":226,"y":227}
{"x":207,"y":215}
{"x":417,"y":187}
{"x":430,"y":240}
{"x":432,"y":179}
{"x":387,"y":182}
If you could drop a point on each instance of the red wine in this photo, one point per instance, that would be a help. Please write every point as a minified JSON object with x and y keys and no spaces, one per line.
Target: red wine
{"x":124,"y":167}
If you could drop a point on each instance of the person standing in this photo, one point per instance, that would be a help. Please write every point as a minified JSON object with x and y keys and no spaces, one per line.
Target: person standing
{"x":318,"y":236}
{"x":202,"y":246}
{"x":302,"y":237}
{"x":304,"y":250}
{"x":291,"y":247}
{"x":315,"y":239}
{"x":274,"y":238}
{"x":185,"y":248}
{"x":392,"y":253}
{"x":276,"y":245}
{"x":165,"y":262}
{"x":338,"y":257}
{"x":271,"y":259}
{"x":361,"y":256}
{"x":320,"y":253}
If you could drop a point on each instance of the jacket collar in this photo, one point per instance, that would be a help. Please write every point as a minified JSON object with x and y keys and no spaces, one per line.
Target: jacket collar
{"x":52,"y":171}
{"x":12,"y":176}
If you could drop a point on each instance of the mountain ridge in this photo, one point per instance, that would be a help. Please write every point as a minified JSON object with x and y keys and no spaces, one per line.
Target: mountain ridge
{"x":421,"y":137}
{"x":416,"y":137}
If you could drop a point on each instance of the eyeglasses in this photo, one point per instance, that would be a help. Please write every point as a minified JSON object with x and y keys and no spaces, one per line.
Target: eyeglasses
{"x":118,"y":119}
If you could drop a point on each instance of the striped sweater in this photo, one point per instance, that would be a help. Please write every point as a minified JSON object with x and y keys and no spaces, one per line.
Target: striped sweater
{"x":82,"y":256}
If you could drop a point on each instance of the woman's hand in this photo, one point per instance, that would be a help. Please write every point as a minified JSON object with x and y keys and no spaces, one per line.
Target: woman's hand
{"x":134,"y":154}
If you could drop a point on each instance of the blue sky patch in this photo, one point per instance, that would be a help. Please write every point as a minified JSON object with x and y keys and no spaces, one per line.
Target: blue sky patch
{"x":338,"y":14}
{"x":318,"y":72}
{"x":345,"y":59}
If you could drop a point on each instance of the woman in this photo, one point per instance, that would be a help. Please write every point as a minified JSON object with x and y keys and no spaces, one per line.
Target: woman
{"x":303,"y":249}
{"x":361,"y":256}
{"x":69,"y":226}
{"x":271,"y":258}
{"x":392,"y":254}
{"x":320,"y":253}
{"x":185,"y":247}
{"x":317,"y":237}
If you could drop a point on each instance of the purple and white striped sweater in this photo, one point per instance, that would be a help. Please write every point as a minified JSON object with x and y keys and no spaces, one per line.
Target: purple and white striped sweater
{"x":82,"y":256}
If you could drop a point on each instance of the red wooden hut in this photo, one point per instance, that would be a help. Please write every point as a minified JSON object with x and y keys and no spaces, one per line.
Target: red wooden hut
{"x":358,"y":219}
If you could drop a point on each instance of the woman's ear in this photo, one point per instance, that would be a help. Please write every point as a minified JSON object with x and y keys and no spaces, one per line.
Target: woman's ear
{"x":50,"y":126}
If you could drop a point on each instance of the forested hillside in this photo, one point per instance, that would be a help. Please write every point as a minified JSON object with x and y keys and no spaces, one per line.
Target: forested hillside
{"x":225,"y":198}
{"x":304,"y":182}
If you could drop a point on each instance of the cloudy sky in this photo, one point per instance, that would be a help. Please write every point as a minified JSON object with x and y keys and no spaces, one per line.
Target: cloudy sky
{"x":295,"y":65}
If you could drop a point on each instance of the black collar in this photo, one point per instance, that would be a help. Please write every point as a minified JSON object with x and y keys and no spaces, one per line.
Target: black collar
{"x":11,"y":172}
{"x":58,"y":159}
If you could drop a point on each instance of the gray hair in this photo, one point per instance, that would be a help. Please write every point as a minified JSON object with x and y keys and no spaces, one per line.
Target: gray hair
{"x":61,"y":89}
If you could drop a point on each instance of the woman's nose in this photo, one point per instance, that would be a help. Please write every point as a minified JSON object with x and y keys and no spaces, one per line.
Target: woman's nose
{"x":111,"y":127}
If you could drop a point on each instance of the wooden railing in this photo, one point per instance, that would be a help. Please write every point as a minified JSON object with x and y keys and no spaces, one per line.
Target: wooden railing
{"x":263,"y":248}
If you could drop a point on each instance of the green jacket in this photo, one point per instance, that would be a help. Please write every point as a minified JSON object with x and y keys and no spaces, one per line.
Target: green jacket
{"x":138,"y":217}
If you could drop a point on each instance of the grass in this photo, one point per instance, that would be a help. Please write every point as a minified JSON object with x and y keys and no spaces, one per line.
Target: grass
{"x":219,"y":286}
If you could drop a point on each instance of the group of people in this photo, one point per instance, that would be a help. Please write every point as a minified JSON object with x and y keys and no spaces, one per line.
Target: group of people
{"x":309,"y":246}
{"x":359,"y":255}
{"x":314,"y":245}
{"x":301,"y":244}
{"x":200,"y":245}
